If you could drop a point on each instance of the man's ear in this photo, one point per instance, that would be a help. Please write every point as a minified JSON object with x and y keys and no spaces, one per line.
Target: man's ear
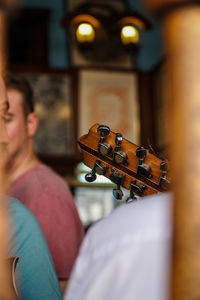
{"x":32,"y":124}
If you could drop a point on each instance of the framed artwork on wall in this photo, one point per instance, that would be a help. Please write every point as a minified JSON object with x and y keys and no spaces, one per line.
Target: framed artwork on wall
{"x":55,"y":140}
{"x":109,"y":97}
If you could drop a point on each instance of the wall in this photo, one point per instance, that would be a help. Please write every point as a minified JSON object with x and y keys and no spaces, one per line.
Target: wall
{"x":57,"y":34}
{"x":149,"y":55}
{"x":152,"y":51}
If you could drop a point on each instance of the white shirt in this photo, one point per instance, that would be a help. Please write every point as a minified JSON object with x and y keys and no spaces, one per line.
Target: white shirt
{"x":126,"y":256}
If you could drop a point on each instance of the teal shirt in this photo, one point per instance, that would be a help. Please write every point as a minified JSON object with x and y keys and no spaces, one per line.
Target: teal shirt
{"x":35,"y":274}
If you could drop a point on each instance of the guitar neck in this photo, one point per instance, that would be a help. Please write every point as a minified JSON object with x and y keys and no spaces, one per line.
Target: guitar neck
{"x":128,"y":167}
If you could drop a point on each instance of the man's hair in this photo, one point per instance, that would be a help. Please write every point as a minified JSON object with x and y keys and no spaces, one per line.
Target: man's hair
{"x":19,"y":83}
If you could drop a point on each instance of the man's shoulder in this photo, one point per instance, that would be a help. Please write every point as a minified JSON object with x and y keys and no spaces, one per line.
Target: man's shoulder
{"x":15,"y":207}
{"x":45,"y":171}
{"x":25,"y":229}
{"x":40,"y":178}
{"x":148,"y":218}
{"x":133,"y":240}
{"x":23,"y":224}
{"x":20,"y":215}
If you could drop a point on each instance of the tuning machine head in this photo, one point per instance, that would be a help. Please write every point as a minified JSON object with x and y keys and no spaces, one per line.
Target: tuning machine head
{"x":103,"y":147}
{"x":118,"y":194}
{"x":119,"y":156}
{"x":164,"y":166}
{"x":118,"y":139}
{"x":117,"y":178}
{"x":164,"y":181}
{"x":136,"y":189}
{"x":103,"y":130}
{"x":143,"y":169}
{"x":141,"y":153}
{"x":90,"y":177}
{"x":98,"y":168}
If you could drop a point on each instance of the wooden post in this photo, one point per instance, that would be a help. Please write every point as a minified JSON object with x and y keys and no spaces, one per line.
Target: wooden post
{"x":182,"y":39}
{"x":7,"y":291}
{"x":3,"y":43}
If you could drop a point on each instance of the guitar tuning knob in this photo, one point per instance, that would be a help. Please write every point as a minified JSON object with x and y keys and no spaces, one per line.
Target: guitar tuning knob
{"x":90,"y":177}
{"x":118,"y":139}
{"x":141,"y":152}
{"x":136,"y":189}
{"x":163,"y":166}
{"x":103,"y":147}
{"x":118,"y":194}
{"x":103,"y":130}
{"x":98,"y":168}
{"x":117,"y":178}
{"x":164,"y":181}
{"x":119,"y":156}
{"x":143,"y":169}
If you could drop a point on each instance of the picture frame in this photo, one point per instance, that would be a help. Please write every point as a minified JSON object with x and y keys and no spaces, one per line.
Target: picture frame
{"x":56,"y":137}
{"x":109,"y":97}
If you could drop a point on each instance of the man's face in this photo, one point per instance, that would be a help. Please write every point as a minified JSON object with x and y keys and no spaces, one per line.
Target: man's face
{"x":3,"y":112}
{"x":16,"y":124}
{"x":3,"y":131}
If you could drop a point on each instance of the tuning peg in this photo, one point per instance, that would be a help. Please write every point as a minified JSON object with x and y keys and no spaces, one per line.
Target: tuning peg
{"x":103,"y":147}
{"x":90,"y":177}
{"x":118,"y":194}
{"x":118,"y":139}
{"x":143,"y":169}
{"x":103,"y":130}
{"x":98,"y":168}
{"x":164,"y":181}
{"x":119,"y":156}
{"x":136,"y":189}
{"x":117,"y":178}
{"x":164,"y":166}
{"x":141,"y":152}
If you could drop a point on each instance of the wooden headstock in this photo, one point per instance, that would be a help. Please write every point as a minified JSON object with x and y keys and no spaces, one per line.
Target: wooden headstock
{"x":123,"y":162}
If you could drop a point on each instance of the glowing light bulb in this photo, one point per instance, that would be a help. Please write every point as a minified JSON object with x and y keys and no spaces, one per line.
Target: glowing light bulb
{"x":85,"y":33}
{"x":129,"y":35}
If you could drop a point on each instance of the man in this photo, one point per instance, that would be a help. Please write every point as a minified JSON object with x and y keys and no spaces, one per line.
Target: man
{"x":126,"y":255}
{"x":37,"y":186}
{"x":35,"y":274}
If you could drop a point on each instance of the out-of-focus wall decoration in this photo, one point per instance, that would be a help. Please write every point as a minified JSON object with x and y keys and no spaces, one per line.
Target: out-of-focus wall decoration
{"x":110,"y":98}
{"x":54,"y":105}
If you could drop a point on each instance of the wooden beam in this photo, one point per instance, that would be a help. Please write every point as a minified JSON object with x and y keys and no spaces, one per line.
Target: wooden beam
{"x":164,"y":5}
{"x":7,"y":291}
{"x":182,"y":40}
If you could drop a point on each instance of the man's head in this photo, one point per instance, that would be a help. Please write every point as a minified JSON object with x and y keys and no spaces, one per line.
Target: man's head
{"x":3,"y":136}
{"x":4,"y":106}
{"x":20,"y":84}
{"x":21,"y":121}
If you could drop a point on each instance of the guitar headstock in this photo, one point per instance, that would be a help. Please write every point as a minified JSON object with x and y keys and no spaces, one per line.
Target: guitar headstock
{"x":124,"y":163}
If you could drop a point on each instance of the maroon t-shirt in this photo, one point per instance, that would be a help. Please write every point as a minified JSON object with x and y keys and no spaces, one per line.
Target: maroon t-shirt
{"x":48,"y":196}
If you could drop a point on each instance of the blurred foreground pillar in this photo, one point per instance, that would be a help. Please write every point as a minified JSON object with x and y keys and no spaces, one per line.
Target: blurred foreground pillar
{"x":6,"y":284}
{"x":182,"y":38}
{"x":3,"y":43}
{"x":6,"y":6}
